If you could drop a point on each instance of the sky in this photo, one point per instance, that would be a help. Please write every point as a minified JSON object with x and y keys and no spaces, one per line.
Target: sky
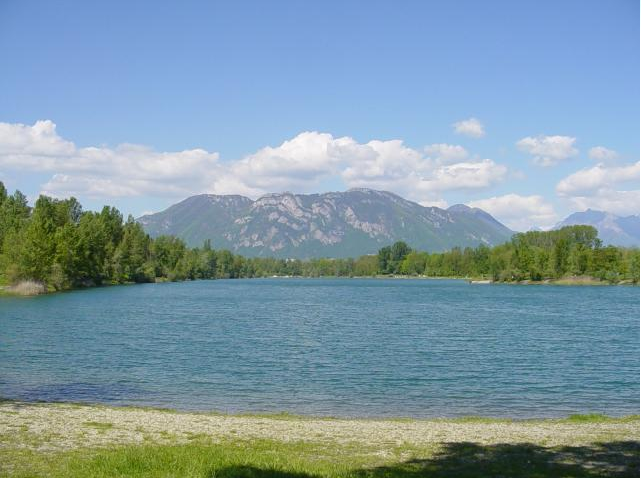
{"x":529,"y":110}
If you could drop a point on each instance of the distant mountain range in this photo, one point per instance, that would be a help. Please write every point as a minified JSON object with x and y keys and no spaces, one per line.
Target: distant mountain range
{"x":336,"y":224}
{"x":613,"y":229}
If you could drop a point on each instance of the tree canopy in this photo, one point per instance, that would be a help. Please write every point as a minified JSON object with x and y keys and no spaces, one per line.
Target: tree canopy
{"x":57,"y":243}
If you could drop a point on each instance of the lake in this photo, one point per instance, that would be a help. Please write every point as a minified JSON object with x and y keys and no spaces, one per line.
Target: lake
{"x":342,"y":347}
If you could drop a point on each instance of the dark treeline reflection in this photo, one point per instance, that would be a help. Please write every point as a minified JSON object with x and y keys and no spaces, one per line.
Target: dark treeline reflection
{"x":62,"y":246}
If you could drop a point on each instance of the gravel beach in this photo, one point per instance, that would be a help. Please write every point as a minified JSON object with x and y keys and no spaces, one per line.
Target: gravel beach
{"x":47,"y":426}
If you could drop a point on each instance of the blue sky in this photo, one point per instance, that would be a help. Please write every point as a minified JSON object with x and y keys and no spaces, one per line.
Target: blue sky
{"x":546,"y":81}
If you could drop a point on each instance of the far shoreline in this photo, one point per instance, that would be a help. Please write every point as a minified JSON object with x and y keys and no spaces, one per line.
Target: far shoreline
{"x":14,"y":290}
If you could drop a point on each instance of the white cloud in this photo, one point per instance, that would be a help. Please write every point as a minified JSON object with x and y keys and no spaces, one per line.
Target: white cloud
{"x":590,"y":180}
{"x":600,"y":187}
{"x":519,"y":213}
{"x":470,"y":127}
{"x":300,"y":164}
{"x":392,"y":166}
{"x":602,"y":154}
{"x":467,"y":175}
{"x":623,"y":203}
{"x":40,"y":139}
{"x":63,"y":185}
{"x":446,"y":153}
{"x":548,"y":150}
{"x":128,"y":170}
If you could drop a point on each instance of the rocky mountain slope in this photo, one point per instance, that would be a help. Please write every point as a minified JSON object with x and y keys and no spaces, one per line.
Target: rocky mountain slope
{"x":613,"y":229}
{"x":336,"y":224}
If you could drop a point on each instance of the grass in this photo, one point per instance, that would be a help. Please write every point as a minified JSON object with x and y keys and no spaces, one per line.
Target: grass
{"x":599,"y":418}
{"x":270,"y":459}
{"x":64,"y":440}
{"x":99,"y":425}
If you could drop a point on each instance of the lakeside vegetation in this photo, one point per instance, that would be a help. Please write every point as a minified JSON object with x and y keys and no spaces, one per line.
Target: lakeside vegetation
{"x":56,"y":246}
{"x":61,"y":440}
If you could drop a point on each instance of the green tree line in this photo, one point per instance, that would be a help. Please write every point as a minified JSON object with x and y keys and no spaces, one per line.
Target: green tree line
{"x":534,"y":256}
{"x":56,"y":243}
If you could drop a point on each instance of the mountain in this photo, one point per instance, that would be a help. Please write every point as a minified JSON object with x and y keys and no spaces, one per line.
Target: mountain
{"x":336,"y":224}
{"x":613,"y":229}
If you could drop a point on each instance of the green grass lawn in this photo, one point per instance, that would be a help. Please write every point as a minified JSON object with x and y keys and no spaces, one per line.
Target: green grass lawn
{"x":262,"y":459}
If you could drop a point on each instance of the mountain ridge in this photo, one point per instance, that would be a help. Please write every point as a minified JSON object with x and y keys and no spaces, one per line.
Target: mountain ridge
{"x":333,"y":224}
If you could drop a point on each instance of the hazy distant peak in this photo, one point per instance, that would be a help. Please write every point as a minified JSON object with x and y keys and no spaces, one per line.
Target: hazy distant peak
{"x":612,"y":229}
{"x":370,"y":191}
{"x":226,"y":198}
{"x":459,"y":208}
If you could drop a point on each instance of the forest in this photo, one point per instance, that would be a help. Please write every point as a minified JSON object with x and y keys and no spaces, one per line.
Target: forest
{"x":58,"y":244}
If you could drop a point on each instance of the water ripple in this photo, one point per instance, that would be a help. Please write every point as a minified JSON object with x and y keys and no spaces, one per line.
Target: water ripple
{"x":339,"y":347}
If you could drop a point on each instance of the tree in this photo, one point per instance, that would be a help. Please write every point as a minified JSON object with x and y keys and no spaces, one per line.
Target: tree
{"x":414,"y":263}
{"x":224,"y":263}
{"x":68,"y":258}
{"x":14,"y":213}
{"x":3,"y":193}
{"x":167,"y":252}
{"x":399,"y":250}
{"x":39,"y":248}
{"x":208,"y":261}
{"x":384,"y":259}
{"x":131,"y":260}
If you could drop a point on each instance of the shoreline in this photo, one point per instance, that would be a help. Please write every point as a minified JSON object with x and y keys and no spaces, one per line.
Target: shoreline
{"x":54,"y":416}
{"x":7,"y":291}
{"x":286,"y":415}
{"x":64,"y":439}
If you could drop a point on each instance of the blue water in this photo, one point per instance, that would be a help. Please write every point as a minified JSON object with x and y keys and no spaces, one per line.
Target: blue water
{"x":345,"y":347}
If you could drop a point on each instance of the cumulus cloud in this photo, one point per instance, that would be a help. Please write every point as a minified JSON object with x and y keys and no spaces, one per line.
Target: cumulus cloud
{"x":602,"y":187}
{"x":446,"y":153}
{"x":392,"y":166}
{"x":519,"y":213}
{"x":470,"y":127}
{"x":310,"y":157}
{"x":589,"y":180}
{"x":602,"y":154}
{"x":41,"y":139}
{"x":548,"y":150}
{"x":303,"y":160}
{"x":467,"y":175}
{"x":62,"y":185}
{"x":128,"y":170}
{"x":299,"y":164}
